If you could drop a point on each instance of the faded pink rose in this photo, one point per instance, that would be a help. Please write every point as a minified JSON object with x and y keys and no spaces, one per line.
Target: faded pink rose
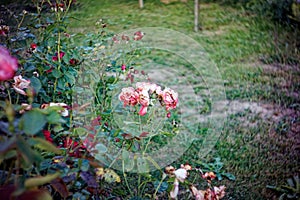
{"x":209,"y":175}
{"x":20,"y":84}
{"x":198,"y":194}
{"x":144,"y":98}
{"x":25,"y":107}
{"x":181,"y":174}
{"x":158,"y":91}
{"x":170,"y":98}
{"x":129,"y":96}
{"x":8,"y":65}
{"x":138,"y":35}
{"x":64,"y":112}
{"x":4,"y":30}
{"x":219,"y":191}
{"x":145,"y":86}
{"x":143,"y":110}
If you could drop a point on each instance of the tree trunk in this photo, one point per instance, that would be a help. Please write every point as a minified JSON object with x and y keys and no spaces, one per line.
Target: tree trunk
{"x":141,"y":2}
{"x":196,"y":13}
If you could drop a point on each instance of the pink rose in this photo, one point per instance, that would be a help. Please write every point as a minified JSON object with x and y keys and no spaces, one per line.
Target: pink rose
{"x":8,"y":65}
{"x":144,"y":98}
{"x":170,"y":98}
{"x":197,"y":193}
{"x":143,"y":110}
{"x":151,"y":87}
{"x":129,"y":96}
{"x":138,"y":35}
{"x":61,"y":55}
{"x":123,"y":67}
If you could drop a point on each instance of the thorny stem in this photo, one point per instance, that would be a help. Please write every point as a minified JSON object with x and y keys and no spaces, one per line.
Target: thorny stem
{"x":59,"y":64}
{"x":126,"y":182}
{"x":19,"y":24}
{"x":160,"y":182}
{"x":9,"y":96}
{"x":113,"y":162}
{"x":139,"y":184}
{"x":16,"y":180}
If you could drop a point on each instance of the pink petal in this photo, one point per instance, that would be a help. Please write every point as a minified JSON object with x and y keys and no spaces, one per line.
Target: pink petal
{"x":143,"y":110}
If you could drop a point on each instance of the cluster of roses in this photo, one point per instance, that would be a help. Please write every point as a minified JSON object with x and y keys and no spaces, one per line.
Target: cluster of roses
{"x":136,"y":36}
{"x":143,"y":93}
{"x":211,"y":193}
{"x":8,"y":67}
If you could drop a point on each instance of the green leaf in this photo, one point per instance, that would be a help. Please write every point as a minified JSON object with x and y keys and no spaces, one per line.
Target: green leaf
{"x":56,"y":73}
{"x":54,"y":118}
{"x":7,"y":145}
{"x":33,"y":122}
{"x":85,"y":165}
{"x":45,"y":164}
{"x":142,"y":165}
{"x":28,"y":154}
{"x":58,"y":128}
{"x":102,"y":159}
{"x":29,"y":67}
{"x":163,"y":186}
{"x":70,"y":78}
{"x":36,"y":84}
{"x":66,"y":58}
{"x":101,"y":148}
{"x":229,"y":176}
{"x":81,"y":132}
{"x":40,"y":180}
{"x":128,"y":162}
{"x":45,"y":145}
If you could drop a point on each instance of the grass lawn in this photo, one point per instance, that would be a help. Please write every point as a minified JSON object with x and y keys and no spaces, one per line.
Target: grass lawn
{"x":259,"y":143}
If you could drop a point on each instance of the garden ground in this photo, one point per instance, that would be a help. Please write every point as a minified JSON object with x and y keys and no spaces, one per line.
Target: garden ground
{"x":260,"y":140}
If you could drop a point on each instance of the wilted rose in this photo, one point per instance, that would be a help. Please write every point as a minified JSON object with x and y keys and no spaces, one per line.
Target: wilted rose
{"x":20,"y":84}
{"x":170,"y":98}
{"x":129,"y":96}
{"x":181,"y":174}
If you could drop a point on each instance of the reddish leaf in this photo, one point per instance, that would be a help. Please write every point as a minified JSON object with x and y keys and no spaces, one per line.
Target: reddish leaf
{"x":144,"y":134}
{"x":6,"y":192}
{"x":60,"y":187}
{"x":127,"y":135}
{"x":96,"y":121}
{"x":35,"y":195}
